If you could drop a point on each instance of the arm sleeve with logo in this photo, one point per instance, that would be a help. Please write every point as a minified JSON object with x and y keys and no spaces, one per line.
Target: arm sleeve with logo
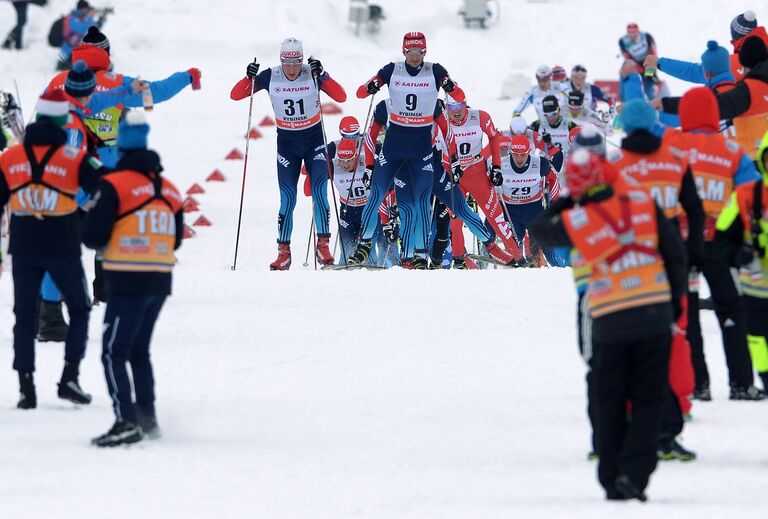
{"x":242,"y":88}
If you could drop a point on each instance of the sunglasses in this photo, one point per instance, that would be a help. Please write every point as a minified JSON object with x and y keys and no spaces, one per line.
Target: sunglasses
{"x":347,"y":161}
{"x":345,"y":135}
{"x":291,"y":61}
{"x":415,"y":52}
{"x":579,"y":68}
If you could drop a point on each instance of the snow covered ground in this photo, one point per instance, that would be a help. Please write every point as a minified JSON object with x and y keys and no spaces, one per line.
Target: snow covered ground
{"x":355,"y":394}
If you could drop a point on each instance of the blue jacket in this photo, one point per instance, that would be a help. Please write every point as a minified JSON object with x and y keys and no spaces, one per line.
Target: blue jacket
{"x":691,"y":72}
{"x":631,"y":87}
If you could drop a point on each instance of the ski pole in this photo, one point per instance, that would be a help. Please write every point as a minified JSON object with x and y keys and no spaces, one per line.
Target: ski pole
{"x":328,"y":165}
{"x":359,"y":148}
{"x":309,"y":240}
{"x":245,"y":170}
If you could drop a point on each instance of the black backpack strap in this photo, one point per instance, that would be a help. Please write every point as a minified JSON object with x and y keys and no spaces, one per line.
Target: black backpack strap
{"x":757,"y":214}
{"x":38,"y":168}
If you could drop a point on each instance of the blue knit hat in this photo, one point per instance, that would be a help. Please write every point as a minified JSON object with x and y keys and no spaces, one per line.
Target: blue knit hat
{"x":716,"y":59}
{"x":132,"y":132}
{"x":638,"y":115}
{"x":743,"y":25}
{"x":81,"y":82}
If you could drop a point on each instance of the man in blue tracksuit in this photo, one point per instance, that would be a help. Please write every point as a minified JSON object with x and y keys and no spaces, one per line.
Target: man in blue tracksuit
{"x":76,"y":25}
{"x":407,"y":150}
{"x":293,"y":91}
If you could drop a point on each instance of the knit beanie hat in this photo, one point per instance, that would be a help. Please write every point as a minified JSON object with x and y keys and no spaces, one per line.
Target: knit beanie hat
{"x":716,"y":59}
{"x":54,"y":106}
{"x":590,"y":139}
{"x":743,"y":25}
{"x":83,"y":4}
{"x":699,"y":111}
{"x":638,"y":115}
{"x":96,"y":38}
{"x":81,"y":82}
{"x":132,"y":132}
{"x":752,"y":52}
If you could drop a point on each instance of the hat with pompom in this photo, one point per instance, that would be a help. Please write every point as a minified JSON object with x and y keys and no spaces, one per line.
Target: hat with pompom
{"x":743,"y":25}
{"x":715,"y":60}
{"x":54,"y":106}
{"x":81,"y":81}
{"x":132,"y":132}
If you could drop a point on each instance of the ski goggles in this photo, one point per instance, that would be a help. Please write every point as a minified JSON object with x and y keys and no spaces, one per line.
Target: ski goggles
{"x":347,"y":135}
{"x":455,"y":106}
{"x":291,"y":61}
{"x":415,"y":52}
{"x":347,"y":162}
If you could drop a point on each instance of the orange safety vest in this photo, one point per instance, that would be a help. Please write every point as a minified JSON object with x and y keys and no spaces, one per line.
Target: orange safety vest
{"x":619,"y":240}
{"x":144,"y":231}
{"x":660,"y":173}
{"x":42,"y":180}
{"x":751,"y":125}
{"x":714,"y":161}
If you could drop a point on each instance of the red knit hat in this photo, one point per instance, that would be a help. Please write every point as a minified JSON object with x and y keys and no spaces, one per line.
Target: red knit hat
{"x":414,"y":40}
{"x":53,"y":105}
{"x":349,"y":126}
{"x":583,"y":170}
{"x":699,"y":110}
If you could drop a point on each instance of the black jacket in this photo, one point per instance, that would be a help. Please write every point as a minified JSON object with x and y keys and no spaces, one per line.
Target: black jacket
{"x":644,"y":142}
{"x":101,"y":219}
{"x":635,"y":323}
{"x":732,"y":103}
{"x":52,"y":237}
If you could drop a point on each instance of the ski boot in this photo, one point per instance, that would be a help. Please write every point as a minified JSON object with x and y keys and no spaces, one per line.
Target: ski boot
{"x":435,"y":264}
{"x":122,"y":432}
{"x":283,"y":261}
{"x":10,"y":42}
{"x":28,"y":397}
{"x":51,"y":325}
{"x":702,"y":393}
{"x":672,"y":450}
{"x":145,"y":417}
{"x":360,"y":256}
{"x":460,"y":263}
{"x":69,"y":387}
{"x":628,"y":490}
{"x":497,"y":253}
{"x":419,"y":263}
{"x":323,"y":251}
{"x":406,"y":263}
{"x":746,"y":393}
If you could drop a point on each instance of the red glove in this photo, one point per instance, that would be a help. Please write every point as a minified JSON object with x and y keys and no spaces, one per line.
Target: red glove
{"x":195,"y":74}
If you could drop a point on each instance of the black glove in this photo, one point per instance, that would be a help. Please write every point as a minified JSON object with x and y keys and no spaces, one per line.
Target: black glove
{"x":496,"y":177}
{"x":745,"y":255}
{"x":367,"y":174}
{"x":253,"y":69}
{"x":448,"y":85}
{"x":315,"y":66}
{"x":373,"y":86}
{"x":456,"y":171}
{"x":390,"y":231}
{"x":547,"y":138}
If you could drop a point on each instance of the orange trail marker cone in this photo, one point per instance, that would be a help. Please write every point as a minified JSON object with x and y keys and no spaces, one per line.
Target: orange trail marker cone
{"x":189,"y":232}
{"x":196,"y":189}
{"x":254,"y":134}
{"x":202,"y":221}
{"x":216,"y":176}
{"x":267,"y":121}
{"x":235,"y":154}
{"x":190,"y":205}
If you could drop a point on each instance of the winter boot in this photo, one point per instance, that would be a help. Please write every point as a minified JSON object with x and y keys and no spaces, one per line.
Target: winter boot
{"x":69,"y":387}
{"x":28,"y":397}
{"x":627,"y":489}
{"x":10,"y":42}
{"x":672,"y":450}
{"x":323,"y":251}
{"x":123,"y":432}
{"x":499,"y":254}
{"x":145,"y":417}
{"x":746,"y":393}
{"x":51,"y":325}
{"x":360,"y":256}
{"x":283,"y":261}
{"x":702,"y":393}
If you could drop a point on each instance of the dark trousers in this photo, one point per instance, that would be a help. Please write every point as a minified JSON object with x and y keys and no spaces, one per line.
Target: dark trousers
{"x":441,"y":221}
{"x":584,"y":327}
{"x":730,"y":316}
{"x":69,"y":277}
{"x":128,"y":325}
{"x":635,"y":371}
{"x":21,"y":21}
